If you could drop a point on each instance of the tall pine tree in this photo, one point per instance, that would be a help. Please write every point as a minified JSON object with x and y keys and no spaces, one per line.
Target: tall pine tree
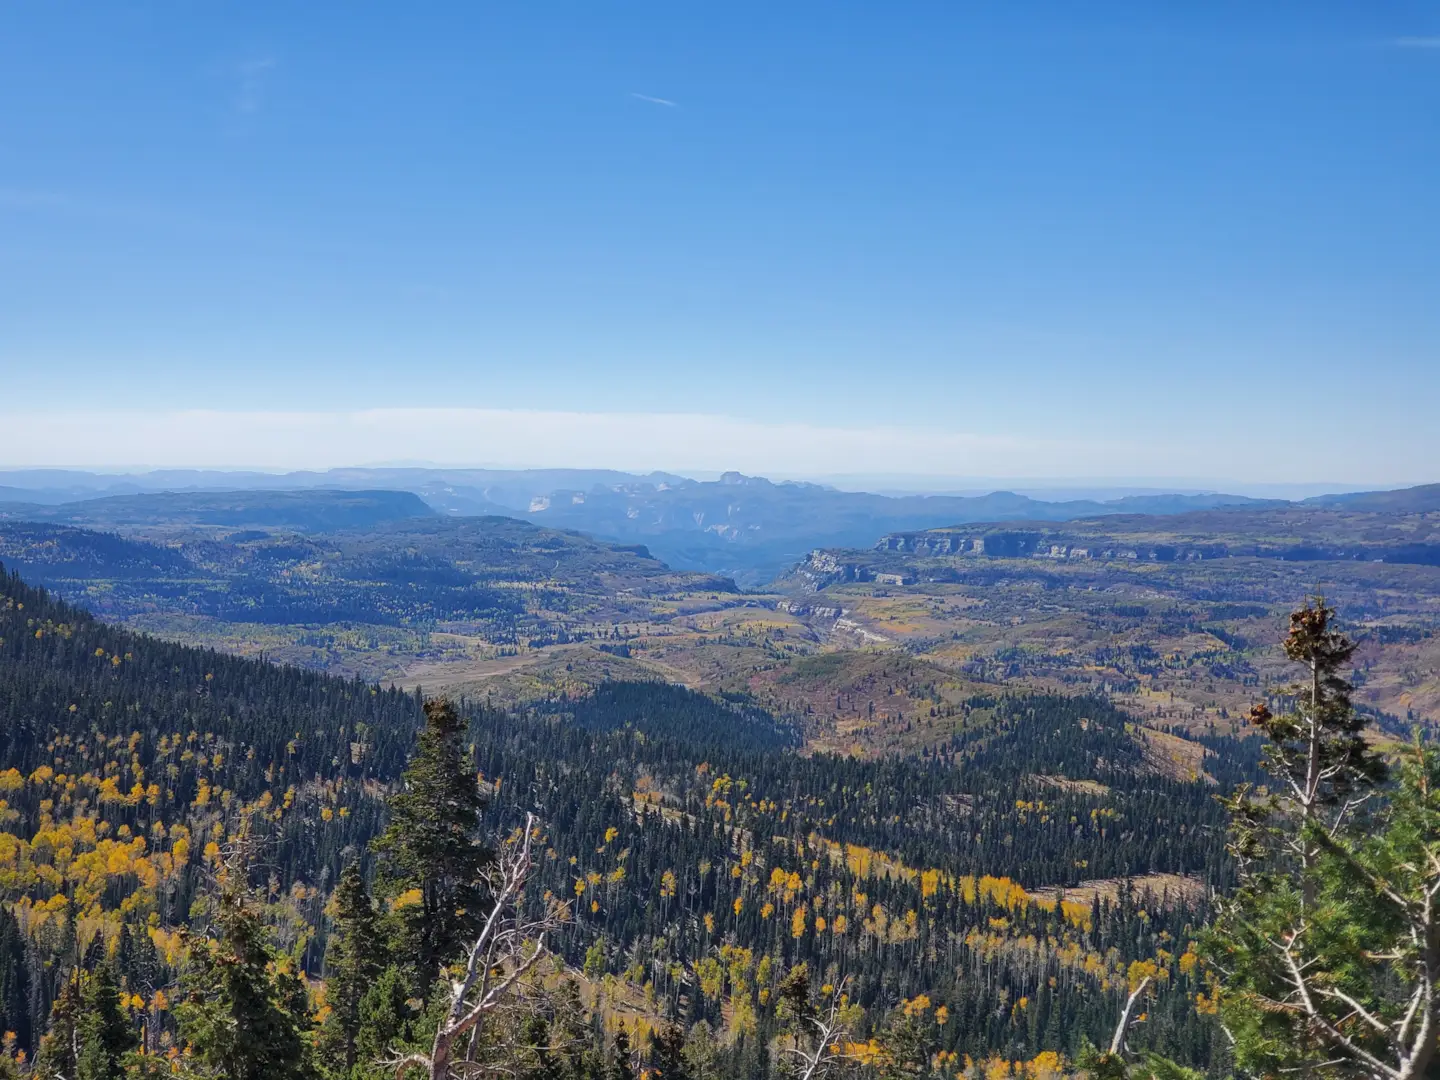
{"x":239,"y":1014}
{"x":1317,"y":751}
{"x":433,"y":860}
{"x":105,"y":1034}
{"x":1327,"y":953}
{"x":354,"y":957}
{"x":60,"y":1048}
{"x":14,"y":982}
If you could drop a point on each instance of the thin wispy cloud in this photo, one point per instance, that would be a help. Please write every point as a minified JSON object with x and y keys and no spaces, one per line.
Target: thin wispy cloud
{"x":656,"y":100}
{"x":1417,"y":42}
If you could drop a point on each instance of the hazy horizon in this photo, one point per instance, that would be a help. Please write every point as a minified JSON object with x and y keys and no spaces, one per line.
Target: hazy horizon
{"x":1045,"y":488}
{"x":648,"y":442}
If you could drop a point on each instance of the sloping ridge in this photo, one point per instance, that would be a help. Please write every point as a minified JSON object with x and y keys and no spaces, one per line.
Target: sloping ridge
{"x":315,"y":508}
{"x":1415,"y":500}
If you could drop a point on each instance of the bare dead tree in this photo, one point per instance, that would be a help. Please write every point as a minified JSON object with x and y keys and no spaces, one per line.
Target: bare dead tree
{"x":497,"y":968}
{"x":1127,"y":1016}
{"x":820,"y":1037}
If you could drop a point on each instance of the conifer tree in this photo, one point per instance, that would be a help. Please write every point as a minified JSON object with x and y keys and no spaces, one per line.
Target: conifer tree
{"x":620,"y":1066}
{"x":906,"y":1042}
{"x":537,"y":1060}
{"x":432,"y":848}
{"x":815,"y":1031}
{"x":1316,"y":752}
{"x":702,"y":1052}
{"x":137,"y":963}
{"x":104,"y":1033}
{"x":60,"y":1048}
{"x":239,"y":1014}
{"x":354,"y":957}
{"x":383,"y":1022}
{"x":667,"y":1053}
{"x":14,"y":981}
{"x":577,"y":1053}
{"x":1327,"y":954}
{"x":1336,"y":970}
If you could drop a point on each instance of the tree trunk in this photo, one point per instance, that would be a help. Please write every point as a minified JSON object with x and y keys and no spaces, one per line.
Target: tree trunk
{"x":440,"y":1059}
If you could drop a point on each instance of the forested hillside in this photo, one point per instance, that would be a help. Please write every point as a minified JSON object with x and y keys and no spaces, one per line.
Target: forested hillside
{"x":909,"y":876}
{"x":704,"y":858}
{"x":369,"y":601}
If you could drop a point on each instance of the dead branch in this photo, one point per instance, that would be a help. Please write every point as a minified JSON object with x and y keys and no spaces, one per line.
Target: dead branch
{"x":1117,"y":1042}
{"x":497,"y":963}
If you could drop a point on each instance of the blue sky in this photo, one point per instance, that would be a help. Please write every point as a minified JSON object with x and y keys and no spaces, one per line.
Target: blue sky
{"x":1022,"y":239}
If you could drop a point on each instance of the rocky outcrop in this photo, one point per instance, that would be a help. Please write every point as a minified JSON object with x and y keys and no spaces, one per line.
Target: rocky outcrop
{"x":824,"y":568}
{"x":810,"y":611}
{"x":925,"y":543}
{"x":1035,"y":544}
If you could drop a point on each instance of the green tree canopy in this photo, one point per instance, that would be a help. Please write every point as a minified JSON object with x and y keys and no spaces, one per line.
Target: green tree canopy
{"x":432,"y":847}
{"x":239,"y":1014}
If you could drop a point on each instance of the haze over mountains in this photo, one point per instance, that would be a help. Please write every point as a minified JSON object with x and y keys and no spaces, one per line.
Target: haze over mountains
{"x":747,"y":527}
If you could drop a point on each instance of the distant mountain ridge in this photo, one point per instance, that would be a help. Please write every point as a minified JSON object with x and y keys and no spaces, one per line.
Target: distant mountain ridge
{"x":315,"y":510}
{"x":746,"y":527}
{"x":1422,"y":499}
